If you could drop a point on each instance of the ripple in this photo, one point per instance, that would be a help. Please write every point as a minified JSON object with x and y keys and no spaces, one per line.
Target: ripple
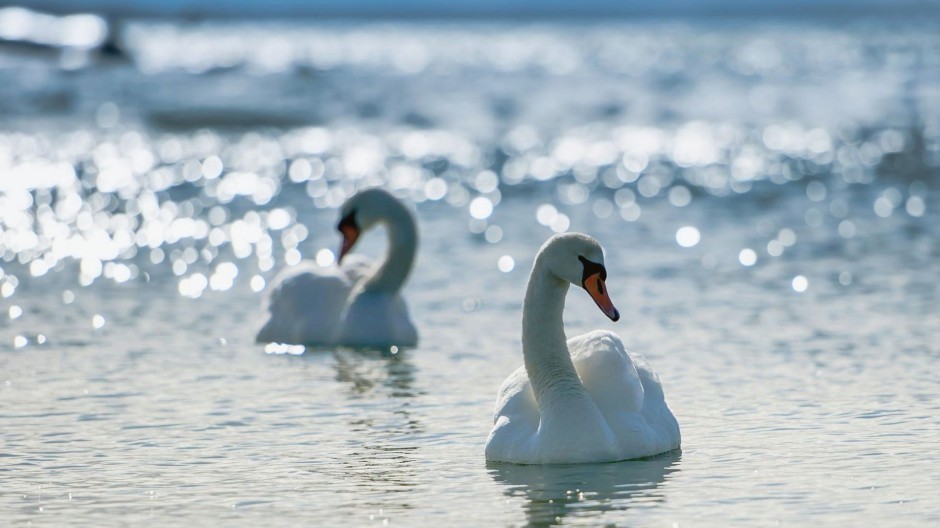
{"x":769,"y":224}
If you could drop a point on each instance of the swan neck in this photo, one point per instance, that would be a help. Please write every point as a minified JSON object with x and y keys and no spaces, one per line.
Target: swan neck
{"x":544,"y":345}
{"x":402,"y":246}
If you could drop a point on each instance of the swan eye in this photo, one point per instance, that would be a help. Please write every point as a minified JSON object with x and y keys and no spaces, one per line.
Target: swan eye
{"x":591,"y":268}
{"x":348,"y":221}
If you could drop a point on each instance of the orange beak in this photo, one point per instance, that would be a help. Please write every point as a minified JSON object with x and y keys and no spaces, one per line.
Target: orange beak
{"x":350,"y":235}
{"x":595,"y":286}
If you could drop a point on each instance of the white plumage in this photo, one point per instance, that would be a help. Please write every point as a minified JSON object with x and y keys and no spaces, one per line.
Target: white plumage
{"x":355,"y":303}
{"x":579,"y":400}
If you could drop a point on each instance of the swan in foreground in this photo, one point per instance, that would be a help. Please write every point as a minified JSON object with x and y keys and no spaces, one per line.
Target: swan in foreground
{"x":355,"y":303}
{"x":581,"y":400}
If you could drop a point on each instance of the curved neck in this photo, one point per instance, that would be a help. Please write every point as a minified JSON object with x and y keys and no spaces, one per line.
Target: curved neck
{"x":402,"y":246}
{"x":544,"y":346}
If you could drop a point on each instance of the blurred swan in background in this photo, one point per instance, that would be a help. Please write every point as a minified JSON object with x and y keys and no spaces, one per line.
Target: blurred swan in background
{"x":355,"y":303}
{"x":579,"y":400}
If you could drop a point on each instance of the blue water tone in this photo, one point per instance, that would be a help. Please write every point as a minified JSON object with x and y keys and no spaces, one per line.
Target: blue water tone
{"x":519,"y":8}
{"x":767,"y":194}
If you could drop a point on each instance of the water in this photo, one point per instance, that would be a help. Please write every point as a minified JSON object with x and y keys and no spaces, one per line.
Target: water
{"x":766,"y":193}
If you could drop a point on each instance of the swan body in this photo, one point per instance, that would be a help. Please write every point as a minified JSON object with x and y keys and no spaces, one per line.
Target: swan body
{"x":578,"y":400}
{"x":356,"y":303}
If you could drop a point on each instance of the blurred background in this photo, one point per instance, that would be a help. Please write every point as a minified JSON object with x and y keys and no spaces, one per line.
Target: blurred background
{"x":763,"y":175}
{"x":148,"y":116}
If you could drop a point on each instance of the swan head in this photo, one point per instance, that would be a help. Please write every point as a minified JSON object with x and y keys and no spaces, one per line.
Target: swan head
{"x":361,"y":212}
{"x":579,"y":259}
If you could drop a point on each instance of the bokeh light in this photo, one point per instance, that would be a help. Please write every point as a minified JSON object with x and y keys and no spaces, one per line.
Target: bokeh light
{"x":747,"y":257}
{"x":799,"y":284}
{"x":506,"y":263}
{"x":688,"y":236}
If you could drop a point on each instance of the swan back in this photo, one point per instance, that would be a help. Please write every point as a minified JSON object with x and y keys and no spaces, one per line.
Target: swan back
{"x":607,"y":372}
{"x":627,"y":392}
{"x":305,"y":305}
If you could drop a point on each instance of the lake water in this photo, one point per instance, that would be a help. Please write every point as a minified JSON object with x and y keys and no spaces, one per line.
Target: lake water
{"x":767,"y":194}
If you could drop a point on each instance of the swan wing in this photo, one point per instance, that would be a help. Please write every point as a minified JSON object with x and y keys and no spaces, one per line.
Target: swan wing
{"x":655,"y":410}
{"x":516,"y":400}
{"x":627,"y":392}
{"x":305,"y":304}
{"x":606,"y":371}
{"x":515,"y":420}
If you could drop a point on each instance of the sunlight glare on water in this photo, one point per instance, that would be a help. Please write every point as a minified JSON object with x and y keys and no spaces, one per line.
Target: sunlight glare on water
{"x":766,"y":195}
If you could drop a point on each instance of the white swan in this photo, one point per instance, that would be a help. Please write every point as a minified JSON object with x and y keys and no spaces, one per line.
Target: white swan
{"x":354,"y":304}
{"x":586,"y":400}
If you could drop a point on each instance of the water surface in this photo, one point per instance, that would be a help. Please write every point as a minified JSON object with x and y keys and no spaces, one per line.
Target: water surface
{"x":766,"y":194}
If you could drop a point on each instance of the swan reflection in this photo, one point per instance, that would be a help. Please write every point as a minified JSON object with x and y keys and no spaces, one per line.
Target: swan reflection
{"x":365,"y":370}
{"x":382,"y":458}
{"x":552,"y":492}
